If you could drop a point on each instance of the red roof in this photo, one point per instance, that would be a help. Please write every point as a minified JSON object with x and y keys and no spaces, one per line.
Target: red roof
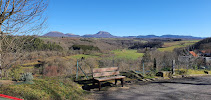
{"x":193,"y":53}
{"x":206,"y":51}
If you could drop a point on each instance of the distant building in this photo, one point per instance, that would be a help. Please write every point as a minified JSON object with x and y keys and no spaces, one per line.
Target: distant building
{"x":205,"y":53}
{"x":207,"y":59}
{"x":204,"y":56}
{"x":184,"y":59}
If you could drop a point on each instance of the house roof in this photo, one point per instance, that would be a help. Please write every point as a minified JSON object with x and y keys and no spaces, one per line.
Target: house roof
{"x":206,"y":51}
{"x":193,"y":53}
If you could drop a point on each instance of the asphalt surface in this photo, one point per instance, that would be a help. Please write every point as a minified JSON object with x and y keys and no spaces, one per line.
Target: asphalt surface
{"x":189,"y":88}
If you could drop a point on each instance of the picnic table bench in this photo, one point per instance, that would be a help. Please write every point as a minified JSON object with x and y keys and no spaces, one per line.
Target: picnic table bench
{"x":105,"y":74}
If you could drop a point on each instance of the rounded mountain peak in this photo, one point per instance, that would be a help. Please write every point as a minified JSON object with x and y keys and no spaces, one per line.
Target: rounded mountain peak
{"x":57,"y":32}
{"x":103,"y":32}
{"x":70,"y":34}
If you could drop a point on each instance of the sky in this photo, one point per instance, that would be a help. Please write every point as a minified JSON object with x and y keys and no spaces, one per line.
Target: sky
{"x":130,"y":17}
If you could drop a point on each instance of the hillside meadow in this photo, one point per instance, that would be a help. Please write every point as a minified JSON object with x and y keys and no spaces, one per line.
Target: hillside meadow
{"x":127,"y":54}
{"x":170,"y":46}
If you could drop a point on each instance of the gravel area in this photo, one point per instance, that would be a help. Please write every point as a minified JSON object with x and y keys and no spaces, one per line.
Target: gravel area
{"x":189,"y":88}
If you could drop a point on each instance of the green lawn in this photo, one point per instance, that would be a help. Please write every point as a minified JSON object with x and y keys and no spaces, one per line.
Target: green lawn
{"x":171,"y":48}
{"x":128,"y":54}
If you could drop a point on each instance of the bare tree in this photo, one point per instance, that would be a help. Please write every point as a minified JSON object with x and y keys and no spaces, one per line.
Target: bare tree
{"x":18,"y":17}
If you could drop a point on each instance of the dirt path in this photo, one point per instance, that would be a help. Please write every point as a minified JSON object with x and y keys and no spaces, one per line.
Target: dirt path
{"x":190,"y":88}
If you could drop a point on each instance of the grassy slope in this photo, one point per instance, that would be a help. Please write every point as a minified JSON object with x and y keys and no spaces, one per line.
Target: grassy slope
{"x":128,"y":54}
{"x":170,"y":46}
{"x":45,"y":89}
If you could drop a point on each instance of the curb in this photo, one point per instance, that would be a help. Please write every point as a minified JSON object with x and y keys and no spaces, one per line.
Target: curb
{"x":9,"y":97}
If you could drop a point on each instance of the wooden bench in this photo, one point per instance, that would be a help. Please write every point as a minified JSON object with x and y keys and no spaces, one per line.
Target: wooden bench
{"x":105,"y":74}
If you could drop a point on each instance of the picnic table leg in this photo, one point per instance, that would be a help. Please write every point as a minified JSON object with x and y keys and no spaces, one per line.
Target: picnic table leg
{"x":115,"y":81}
{"x":122,"y":80}
{"x":99,"y":85}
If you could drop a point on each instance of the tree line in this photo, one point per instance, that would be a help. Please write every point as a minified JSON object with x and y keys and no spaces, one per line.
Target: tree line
{"x":29,"y":44}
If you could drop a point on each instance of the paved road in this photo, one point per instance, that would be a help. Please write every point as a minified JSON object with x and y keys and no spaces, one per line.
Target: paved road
{"x":190,"y":88}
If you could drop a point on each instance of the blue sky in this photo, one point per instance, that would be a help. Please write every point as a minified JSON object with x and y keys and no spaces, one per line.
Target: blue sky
{"x":131,"y":17}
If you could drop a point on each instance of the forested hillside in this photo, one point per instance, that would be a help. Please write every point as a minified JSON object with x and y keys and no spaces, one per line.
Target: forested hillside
{"x":203,"y":44}
{"x":28,"y":44}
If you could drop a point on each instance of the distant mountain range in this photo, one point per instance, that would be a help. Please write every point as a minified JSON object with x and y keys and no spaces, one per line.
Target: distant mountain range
{"x":59,"y":34}
{"x":169,"y":36}
{"x":100,"y":34}
{"x":103,"y":34}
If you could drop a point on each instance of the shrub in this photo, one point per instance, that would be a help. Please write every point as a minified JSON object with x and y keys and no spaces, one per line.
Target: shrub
{"x":26,"y":77}
{"x":86,"y":40}
{"x":181,"y":71}
{"x":84,"y":47}
{"x":151,"y":74}
{"x":15,"y":72}
{"x":195,"y":67}
{"x":51,"y":71}
{"x":166,"y":69}
{"x":57,"y":67}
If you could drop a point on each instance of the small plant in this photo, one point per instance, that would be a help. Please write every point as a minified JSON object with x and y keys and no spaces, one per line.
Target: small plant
{"x":151,"y":74}
{"x":181,"y":72}
{"x":166,"y":69}
{"x":15,"y":73}
{"x":195,"y":67}
{"x":27,"y":77}
{"x":85,"y":47}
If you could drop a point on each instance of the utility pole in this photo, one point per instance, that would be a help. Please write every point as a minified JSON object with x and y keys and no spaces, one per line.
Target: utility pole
{"x":173,"y":66}
{"x":143,"y":69}
{"x":155,"y":66}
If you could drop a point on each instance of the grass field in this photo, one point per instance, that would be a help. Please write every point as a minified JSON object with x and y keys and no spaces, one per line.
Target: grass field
{"x":170,"y":46}
{"x":128,"y":54}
